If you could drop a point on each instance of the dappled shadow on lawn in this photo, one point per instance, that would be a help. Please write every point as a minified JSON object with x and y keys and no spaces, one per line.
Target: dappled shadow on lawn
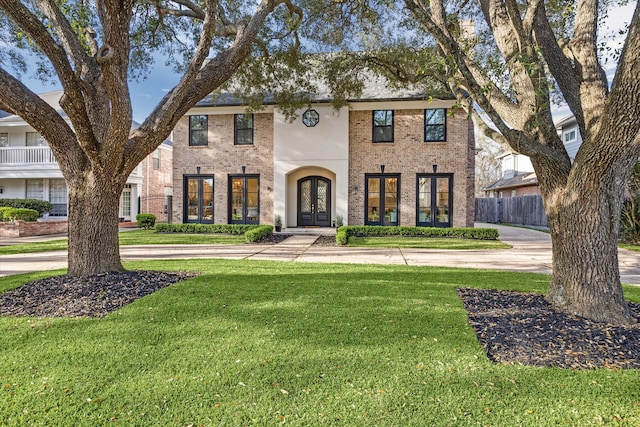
{"x":516,"y":327}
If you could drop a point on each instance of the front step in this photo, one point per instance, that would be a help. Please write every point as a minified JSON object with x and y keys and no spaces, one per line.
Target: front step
{"x":312,"y":231}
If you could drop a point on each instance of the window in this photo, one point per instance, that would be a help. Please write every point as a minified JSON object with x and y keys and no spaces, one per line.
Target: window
{"x":35,"y":189}
{"x":382,"y":193}
{"x":58,"y":197}
{"x":4,"y":139}
{"x":434,"y":200}
{"x":198,"y":129}
{"x":570,"y":135}
{"x":244,"y":206}
{"x":383,"y":126}
{"x":243,"y":129}
{"x":435,"y":125}
{"x":125,"y":203}
{"x":198,"y":199}
{"x":244,"y":199}
{"x":34,"y":139}
{"x":156,"y":159}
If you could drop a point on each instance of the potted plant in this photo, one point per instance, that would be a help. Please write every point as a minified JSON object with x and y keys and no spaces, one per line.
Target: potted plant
{"x":278,"y":222}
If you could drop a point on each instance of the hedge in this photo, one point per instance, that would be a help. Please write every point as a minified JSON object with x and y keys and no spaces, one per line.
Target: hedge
{"x":343,"y":233}
{"x":41,"y":206}
{"x":205,"y":228}
{"x":13,"y":214}
{"x":258,"y":233}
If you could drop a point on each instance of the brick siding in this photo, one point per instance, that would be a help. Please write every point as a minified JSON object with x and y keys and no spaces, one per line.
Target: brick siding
{"x":38,"y":228}
{"x":155,"y":184}
{"x":222,"y":158}
{"x":409,"y":155}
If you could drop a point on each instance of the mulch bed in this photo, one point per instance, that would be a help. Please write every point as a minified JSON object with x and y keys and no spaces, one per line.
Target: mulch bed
{"x":273,"y":238}
{"x":325,"y":241}
{"x":86,"y":296}
{"x":515,"y":327}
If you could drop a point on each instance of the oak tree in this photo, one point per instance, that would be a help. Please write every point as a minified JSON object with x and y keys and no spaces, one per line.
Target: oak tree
{"x":508,"y":62}
{"x":541,"y":45}
{"x":94,"y":49}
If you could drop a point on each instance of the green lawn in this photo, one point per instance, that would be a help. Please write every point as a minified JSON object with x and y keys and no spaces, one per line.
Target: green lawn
{"x":635,"y":248}
{"x":273,"y":343}
{"x":425,"y":243}
{"x":134,"y":237}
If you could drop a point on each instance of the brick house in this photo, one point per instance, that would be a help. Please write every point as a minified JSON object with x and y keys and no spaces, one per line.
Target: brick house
{"x":379,"y":160}
{"x":157,"y":182}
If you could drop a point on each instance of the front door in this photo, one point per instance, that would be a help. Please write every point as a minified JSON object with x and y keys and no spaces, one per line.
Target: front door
{"x":314,"y":202}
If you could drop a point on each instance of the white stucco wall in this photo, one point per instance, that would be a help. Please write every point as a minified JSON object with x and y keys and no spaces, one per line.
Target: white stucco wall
{"x":301,"y":151}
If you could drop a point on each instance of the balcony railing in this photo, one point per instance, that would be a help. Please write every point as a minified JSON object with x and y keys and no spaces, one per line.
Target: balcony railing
{"x":26,"y":155}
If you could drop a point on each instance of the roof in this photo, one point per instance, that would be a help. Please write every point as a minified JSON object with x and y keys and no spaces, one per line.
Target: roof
{"x":564,"y":121}
{"x":52,"y":98}
{"x":522,"y":180}
{"x":376,"y":88}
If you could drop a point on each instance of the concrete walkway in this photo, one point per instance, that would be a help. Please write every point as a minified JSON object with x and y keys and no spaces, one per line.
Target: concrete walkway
{"x":530,"y":252}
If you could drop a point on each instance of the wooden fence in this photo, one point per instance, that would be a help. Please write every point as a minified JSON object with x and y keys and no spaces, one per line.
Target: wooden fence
{"x":524,"y":210}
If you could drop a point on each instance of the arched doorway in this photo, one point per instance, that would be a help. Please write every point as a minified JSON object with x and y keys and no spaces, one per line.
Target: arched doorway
{"x":314,"y":202}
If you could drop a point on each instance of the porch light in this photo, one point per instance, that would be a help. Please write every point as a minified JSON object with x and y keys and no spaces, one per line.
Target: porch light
{"x":435,"y":168}
{"x":382,"y":169}
{"x":244,"y":168}
{"x":198,"y":170}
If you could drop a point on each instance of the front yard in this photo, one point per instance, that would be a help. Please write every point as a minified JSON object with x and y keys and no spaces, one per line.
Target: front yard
{"x":273,"y":343}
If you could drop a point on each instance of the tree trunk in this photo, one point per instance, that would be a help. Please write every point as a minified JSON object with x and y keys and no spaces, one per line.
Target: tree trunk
{"x":584,"y":224}
{"x":93,"y":225}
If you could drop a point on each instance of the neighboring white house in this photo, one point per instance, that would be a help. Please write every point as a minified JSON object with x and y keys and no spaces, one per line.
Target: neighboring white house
{"x":28,"y":168}
{"x":518,"y":176}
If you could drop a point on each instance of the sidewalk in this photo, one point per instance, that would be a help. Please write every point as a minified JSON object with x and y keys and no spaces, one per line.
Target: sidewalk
{"x":530,"y":252}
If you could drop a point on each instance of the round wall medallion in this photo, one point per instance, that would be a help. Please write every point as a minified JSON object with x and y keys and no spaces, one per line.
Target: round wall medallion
{"x":310,"y":118}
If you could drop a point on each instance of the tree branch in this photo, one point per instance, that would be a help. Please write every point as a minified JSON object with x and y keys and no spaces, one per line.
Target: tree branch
{"x":17,"y":99}
{"x":593,"y":80}
{"x":32,"y":26}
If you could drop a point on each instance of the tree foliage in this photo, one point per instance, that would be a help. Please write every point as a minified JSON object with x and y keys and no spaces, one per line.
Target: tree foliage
{"x":631,"y":211}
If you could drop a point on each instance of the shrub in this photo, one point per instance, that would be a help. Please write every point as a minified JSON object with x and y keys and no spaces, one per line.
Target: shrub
{"x":145,"y":220}
{"x":343,"y":233}
{"x":41,"y":206}
{"x":258,"y":233}
{"x":341,"y":236}
{"x":13,"y":214}
{"x":630,"y":219}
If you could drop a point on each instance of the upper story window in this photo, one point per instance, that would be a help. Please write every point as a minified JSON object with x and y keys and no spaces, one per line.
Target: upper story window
{"x":570,"y":135}
{"x":156,"y":159}
{"x":243,"y":129}
{"x":383,"y":126}
{"x":198,"y":129}
{"x":34,"y":139}
{"x":435,"y":124}
{"x":4,"y":139}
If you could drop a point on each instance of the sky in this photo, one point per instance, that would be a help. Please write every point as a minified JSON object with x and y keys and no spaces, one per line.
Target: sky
{"x":146,"y":94}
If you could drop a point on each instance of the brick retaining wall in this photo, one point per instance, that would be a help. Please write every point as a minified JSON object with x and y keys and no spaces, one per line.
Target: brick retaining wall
{"x":38,"y":228}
